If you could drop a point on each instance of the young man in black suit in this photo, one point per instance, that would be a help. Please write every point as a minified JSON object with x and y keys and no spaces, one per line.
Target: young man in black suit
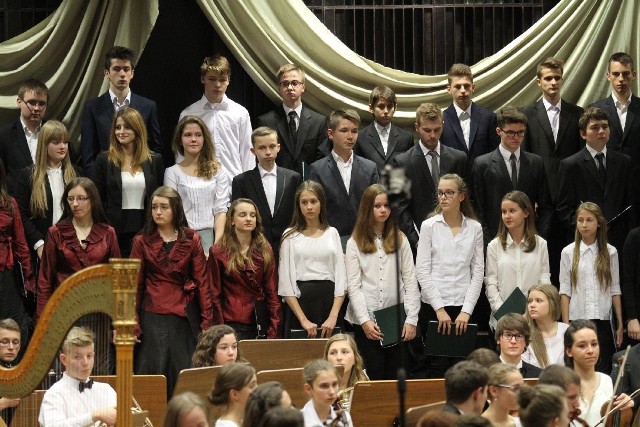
{"x":97,"y":114}
{"x":381,"y":141}
{"x":18,"y":142}
{"x":418,"y":164}
{"x":343,"y":174}
{"x":302,"y":131}
{"x":553,"y":134}
{"x":623,"y":108}
{"x":599,"y":175}
{"x":272,"y":188}
{"x":465,"y":385}
{"x":509,"y":168}
{"x":468,"y":127}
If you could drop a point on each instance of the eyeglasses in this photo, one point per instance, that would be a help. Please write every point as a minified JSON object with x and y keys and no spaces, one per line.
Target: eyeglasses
{"x":447,"y":194}
{"x":509,"y":336}
{"x":6,"y":342}
{"x":513,"y":388}
{"x":293,"y":83}
{"x":79,"y":199}
{"x":33,"y":103}
{"x":512,"y":133}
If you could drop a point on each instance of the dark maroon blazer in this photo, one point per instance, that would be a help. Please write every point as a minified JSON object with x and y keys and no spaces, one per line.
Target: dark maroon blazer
{"x":13,"y":244}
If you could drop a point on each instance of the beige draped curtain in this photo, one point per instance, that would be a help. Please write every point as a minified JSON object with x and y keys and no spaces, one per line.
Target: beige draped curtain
{"x":264,"y":34}
{"x":66,"y":51}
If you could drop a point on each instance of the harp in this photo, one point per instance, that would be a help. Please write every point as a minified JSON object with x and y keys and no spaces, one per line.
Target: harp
{"x":107,"y":288}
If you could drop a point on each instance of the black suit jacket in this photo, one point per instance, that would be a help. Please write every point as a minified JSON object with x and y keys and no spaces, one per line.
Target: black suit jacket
{"x":342,"y":207}
{"x":96,"y":126}
{"x":482,"y":134}
{"x":626,"y":140}
{"x":491,"y":181}
{"x":369,"y":145}
{"x":579,"y":181}
{"x":630,"y":267}
{"x":451,"y":408}
{"x":108,"y":179}
{"x":529,"y":371}
{"x":423,"y":199}
{"x":249,"y":185}
{"x":35,"y":228}
{"x":14,"y":153}
{"x":539,"y":138}
{"x":311,"y":140}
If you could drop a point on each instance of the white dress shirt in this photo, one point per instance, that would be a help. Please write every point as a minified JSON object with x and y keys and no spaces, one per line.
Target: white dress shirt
{"x":383,"y":133}
{"x":118,"y":105}
{"x":506,"y":156}
{"x":230,"y":128}
{"x":311,"y":418}
{"x":450,"y":268}
{"x":269,"y":183}
{"x":594,"y":153}
{"x":427,"y":157}
{"x":32,"y":139}
{"x":344,"y":168}
{"x":202,"y":198}
{"x":308,"y":258}
{"x":464,"y":117}
{"x":588,"y":300}
{"x":64,"y":405}
{"x":555,"y":348}
{"x":372,"y":278}
{"x":512,"y":267}
{"x":298,"y":111}
{"x":553,"y":112}
{"x":133,"y":190}
{"x":622,"y":108}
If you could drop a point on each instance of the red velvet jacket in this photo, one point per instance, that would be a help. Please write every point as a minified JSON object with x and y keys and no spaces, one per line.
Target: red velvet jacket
{"x":238,"y":292}
{"x":169,"y":281}
{"x":13,"y":244}
{"x":63,"y":255}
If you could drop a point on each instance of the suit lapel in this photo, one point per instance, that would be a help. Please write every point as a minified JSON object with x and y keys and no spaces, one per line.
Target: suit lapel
{"x":591,"y":167}
{"x":475,"y":120}
{"x":524,"y":174}
{"x":283,"y":130}
{"x":375,"y":139}
{"x":565,"y":119}
{"x":333,"y":168}
{"x":23,"y":146}
{"x":279,"y":189}
{"x":420,"y":163}
{"x":614,"y":121}
{"x":499,"y":166}
{"x":454,"y":122}
{"x":543,"y":119}
{"x":303,"y":129}
{"x":631,"y":116}
{"x":445,"y":166}
{"x":258,"y":188}
{"x":392,"y":142}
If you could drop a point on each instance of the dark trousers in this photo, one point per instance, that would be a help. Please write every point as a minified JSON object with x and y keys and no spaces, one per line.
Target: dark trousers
{"x":382,"y":363}
{"x":607,"y":345}
{"x":167,"y":344}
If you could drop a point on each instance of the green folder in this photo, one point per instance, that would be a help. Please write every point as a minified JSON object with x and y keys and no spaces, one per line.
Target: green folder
{"x":303,"y":334}
{"x":450,"y":345}
{"x":516,"y":303}
{"x":387,"y":320}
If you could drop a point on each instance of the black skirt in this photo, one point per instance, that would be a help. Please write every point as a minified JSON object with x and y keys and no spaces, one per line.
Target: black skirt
{"x":316,"y":301}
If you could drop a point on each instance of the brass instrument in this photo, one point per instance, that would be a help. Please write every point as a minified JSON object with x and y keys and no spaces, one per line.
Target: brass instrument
{"x":107,"y":288}
{"x":341,"y":406}
{"x":136,"y":409}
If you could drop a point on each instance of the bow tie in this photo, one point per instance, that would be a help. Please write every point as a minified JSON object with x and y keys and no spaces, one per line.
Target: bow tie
{"x":82,"y":386}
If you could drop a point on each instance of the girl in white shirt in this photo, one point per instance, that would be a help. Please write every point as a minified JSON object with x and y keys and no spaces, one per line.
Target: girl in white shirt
{"x":234,"y":383}
{"x":590,"y":282}
{"x":321,"y":385}
{"x":200,"y":179}
{"x":311,"y":272}
{"x":449,"y":262}
{"x":546,"y":344}
{"x":517,"y":257}
{"x":372,"y":279}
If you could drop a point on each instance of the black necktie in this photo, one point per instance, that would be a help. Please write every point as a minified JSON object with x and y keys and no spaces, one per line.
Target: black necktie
{"x":601,"y":168}
{"x":82,"y":386}
{"x":293,"y":130}
{"x":514,"y":170}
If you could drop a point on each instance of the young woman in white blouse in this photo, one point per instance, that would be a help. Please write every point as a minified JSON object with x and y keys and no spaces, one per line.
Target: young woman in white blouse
{"x":312,"y":276}
{"x":200,"y":179}
{"x":517,"y":257}
{"x":546,"y":343}
{"x":449,"y":262}
{"x":127,"y":175}
{"x":372,"y":277}
{"x":590,"y":280}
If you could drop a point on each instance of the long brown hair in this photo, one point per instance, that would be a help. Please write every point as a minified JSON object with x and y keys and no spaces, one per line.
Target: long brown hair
{"x":230,"y":244}
{"x":536,"y":339}
{"x":208,"y":164}
{"x":51,"y":131}
{"x":603,"y":260}
{"x":465,"y":206}
{"x":97,"y":211}
{"x":141,"y":153}
{"x":298,"y":221}
{"x":523,"y":202}
{"x":363,"y":230}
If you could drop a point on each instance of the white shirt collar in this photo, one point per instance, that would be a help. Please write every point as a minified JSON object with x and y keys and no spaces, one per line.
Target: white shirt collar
{"x":506,"y":154}
{"x":298,"y":110}
{"x":548,"y":105}
{"x":379,"y":128}
{"x":339,"y":159}
{"x":26,"y":129}
{"x":425,"y":150}
{"x":593,"y":152}
{"x":213,"y":105}
{"x":264,"y":172}
{"x":460,"y":110}
{"x":113,"y":96}
{"x":618,"y":103}
{"x":592,"y":247}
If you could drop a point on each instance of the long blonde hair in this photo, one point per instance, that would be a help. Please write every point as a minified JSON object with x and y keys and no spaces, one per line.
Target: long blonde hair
{"x":141,"y":153}
{"x":536,"y":341}
{"x":603,"y":260}
{"x":51,"y":131}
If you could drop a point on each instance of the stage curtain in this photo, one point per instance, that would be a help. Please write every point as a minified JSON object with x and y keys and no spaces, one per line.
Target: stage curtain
{"x":266,"y":34}
{"x":66,"y":51}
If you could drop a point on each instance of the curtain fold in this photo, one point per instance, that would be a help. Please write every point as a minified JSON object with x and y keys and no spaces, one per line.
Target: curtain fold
{"x":266,"y":34}
{"x":66,"y":51}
